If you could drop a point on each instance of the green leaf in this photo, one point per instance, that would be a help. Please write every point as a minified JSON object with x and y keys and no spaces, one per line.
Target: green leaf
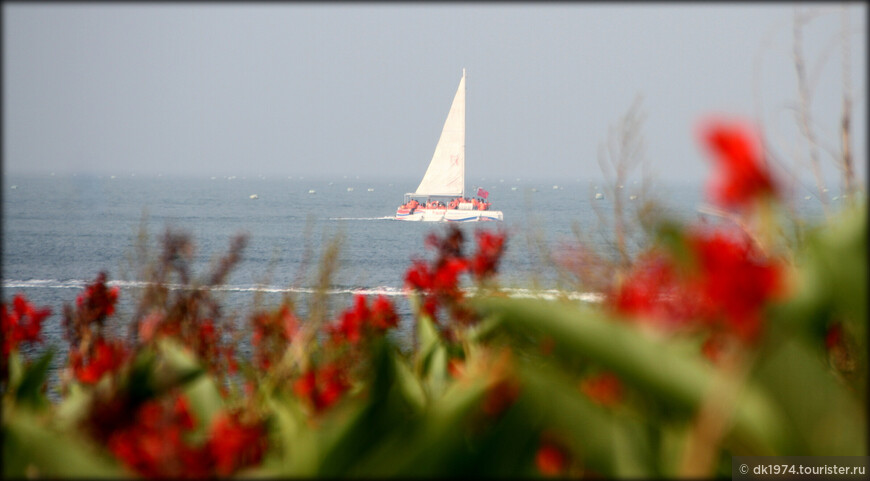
{"x":824,"y":419}
{"x":679,"y":380}
{"x":205,"y":401}
{"x":30,"y":390}
{"x":434,"y":444}
{"x":33,"y":450}
{"x":74,"y":406}
{"x":296,"y":453}
{"x":379,"y":413}
{"x":431,"y":360}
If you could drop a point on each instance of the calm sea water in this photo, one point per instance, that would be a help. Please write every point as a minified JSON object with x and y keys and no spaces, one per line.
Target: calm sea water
{"x":60,"y":231}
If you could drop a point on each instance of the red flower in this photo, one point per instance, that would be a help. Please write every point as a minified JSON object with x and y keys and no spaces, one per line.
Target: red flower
{"x":352,"y":322}
{"x":734,"y":281}
{"x":551,"y":459}
{"x":153,"y":444}
{"x":727,"y":287}
{"x":500,"y":397}
{"x":24,"y":323}
{"x":742,"y":175}
{"x":98,"y":302}
{"x":834,"y":336}
{"x":446,"y":278}
{"x":106,"y":357}
{"x":383,"y":314}
{"x":272,"y":331}
{"x":604,"y":388}
{"x":321,"y":387}
{"x":655,"y":291}
{"x":234,"y":445}
{"x":418,"y":276}
{"x":490,"y":247}
{"x":356,"y":321}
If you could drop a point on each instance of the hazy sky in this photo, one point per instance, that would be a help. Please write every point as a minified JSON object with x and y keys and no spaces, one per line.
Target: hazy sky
{"x":363,"y":89}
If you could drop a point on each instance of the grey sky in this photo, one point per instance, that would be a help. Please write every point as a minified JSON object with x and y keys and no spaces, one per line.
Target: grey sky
{"x":363,"y":89}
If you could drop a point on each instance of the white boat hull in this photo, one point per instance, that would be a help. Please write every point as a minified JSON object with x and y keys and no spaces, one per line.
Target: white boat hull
{"x":450,"y":215}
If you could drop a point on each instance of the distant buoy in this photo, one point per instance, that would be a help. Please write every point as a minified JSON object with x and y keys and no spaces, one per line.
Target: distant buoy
{"x":350,"y":189}
{"x":254,"y":196}
{"x":599,"y":196}
{"x":311,"y":191}
{"x":632,"y":197}
{"x":371,"y":190}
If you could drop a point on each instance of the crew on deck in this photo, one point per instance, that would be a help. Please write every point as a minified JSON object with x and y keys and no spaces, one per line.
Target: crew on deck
{"x":476,"y":203}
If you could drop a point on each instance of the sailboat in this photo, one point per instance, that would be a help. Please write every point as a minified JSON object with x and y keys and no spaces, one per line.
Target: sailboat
{"x":441,"y":194}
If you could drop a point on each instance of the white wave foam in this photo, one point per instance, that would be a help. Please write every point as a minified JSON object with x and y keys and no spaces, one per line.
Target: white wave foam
{"x":390,"y":291}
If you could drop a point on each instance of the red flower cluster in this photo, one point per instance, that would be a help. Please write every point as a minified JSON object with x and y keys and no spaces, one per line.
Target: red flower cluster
{"x":742,"y":174}
{"x":322,"y":387}
{"x":91,"y":356}
{"x":272,"y":332}
{"x":551,"y":459}
{"x":655,"y":291}
{"x":727,"y":286}
{"x":104,"y":357}
{"x":234,"y":445}
{"x":604,"y":388}
{"x":22,"y":323}
{"x":440,"y":282}
{"x":200,"y":335}
{"x":356,"y":321}
{"x":97,"y":302}
{"x":490,"y":247}
{"x":155,"y":443}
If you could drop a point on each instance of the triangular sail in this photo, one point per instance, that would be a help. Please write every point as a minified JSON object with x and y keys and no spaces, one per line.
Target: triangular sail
{"x":446,"y":172}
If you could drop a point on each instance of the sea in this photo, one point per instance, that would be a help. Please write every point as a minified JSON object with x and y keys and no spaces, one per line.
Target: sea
{"x":60,"y":231}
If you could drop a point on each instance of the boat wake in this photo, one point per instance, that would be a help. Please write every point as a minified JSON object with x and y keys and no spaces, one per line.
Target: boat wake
{"x":388,"y":217}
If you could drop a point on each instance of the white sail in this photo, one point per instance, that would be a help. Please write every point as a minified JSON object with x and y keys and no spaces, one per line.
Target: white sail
{"x":446,"y":172}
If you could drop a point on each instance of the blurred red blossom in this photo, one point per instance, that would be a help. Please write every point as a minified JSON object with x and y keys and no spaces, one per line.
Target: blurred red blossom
{"x":104,"y":357}
{"x":233,"y":444}
{"x":153,"y":444}
{"x":727,"y":286}
{"x":356,"y":321}
{"x":383,"y":314}
{"x":551,"y":459}
{"x":322,"y":387}
{"x":604,"y":388}
{"x":490,"y":247}
{"x":439,"y":281}
{"x":742,"y":175}
{"x":156,"y":443}
{"x":272,"y":332}
{"x":22,"y":323}
{"x":97,"y":301}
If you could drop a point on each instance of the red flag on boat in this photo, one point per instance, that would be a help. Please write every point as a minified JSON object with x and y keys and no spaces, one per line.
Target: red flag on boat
{"x":482,"y":193}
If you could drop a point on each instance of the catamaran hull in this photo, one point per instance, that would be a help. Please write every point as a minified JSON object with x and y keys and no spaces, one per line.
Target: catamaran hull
{"x":438,"y":215}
